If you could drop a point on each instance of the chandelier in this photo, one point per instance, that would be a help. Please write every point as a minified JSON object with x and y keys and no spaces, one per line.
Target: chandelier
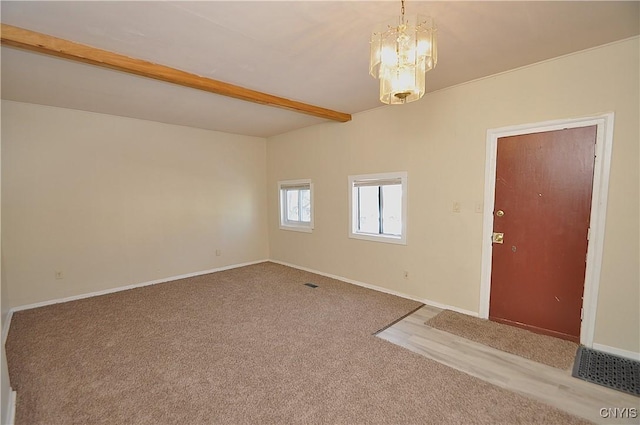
{"x":402,"y":52}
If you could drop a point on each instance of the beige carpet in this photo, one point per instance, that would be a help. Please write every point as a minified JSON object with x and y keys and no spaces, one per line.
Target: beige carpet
{"x":246,"y":346}
{"x":539,"y":348}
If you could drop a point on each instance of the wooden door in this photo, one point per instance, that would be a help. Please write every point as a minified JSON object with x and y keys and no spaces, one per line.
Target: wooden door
{"x":543,"y":193}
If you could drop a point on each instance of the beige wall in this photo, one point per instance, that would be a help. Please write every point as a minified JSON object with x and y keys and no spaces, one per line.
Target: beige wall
{"x":440,"y":141}
{"x":113,"y":201}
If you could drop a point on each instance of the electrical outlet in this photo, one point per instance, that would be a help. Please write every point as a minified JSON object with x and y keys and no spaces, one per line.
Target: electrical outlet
{"x":59,"y":275}
{"x":218,"y":252}
{"x":456,"y":207}
{"x":406,"y":274}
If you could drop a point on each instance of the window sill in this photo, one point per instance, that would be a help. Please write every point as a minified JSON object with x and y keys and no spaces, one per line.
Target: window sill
{"x":304,"y":229}
{"x":379,"y":238}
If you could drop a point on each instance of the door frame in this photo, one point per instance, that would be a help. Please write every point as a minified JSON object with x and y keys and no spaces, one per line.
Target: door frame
{"x":601,"y":171}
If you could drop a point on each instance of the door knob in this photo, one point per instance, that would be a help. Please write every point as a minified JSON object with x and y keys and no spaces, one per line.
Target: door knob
{"x":499,"y":213}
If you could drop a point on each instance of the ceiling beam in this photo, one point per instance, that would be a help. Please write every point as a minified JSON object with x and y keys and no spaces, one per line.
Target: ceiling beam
{"x":46,"y":44}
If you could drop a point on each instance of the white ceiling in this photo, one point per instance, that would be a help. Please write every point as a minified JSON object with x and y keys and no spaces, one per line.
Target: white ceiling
{"x":311,"y":51}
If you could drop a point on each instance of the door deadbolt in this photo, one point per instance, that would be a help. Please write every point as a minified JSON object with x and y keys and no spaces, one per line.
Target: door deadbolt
{"x":497,"y":237}
{"x":499,"y":213}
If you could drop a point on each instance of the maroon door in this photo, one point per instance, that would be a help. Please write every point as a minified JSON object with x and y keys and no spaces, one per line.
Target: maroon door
{"x":542,"y":206}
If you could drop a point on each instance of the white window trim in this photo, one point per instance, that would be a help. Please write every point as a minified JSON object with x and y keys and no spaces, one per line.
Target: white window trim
{"x":284,"y":223}
{"x":398,"y":240}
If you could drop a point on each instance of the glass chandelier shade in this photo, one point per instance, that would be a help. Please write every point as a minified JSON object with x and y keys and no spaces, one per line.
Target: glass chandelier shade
{"x":402,"y":52}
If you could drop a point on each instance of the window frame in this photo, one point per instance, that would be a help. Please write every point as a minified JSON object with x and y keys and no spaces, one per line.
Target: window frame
{"x":297,"y":225}
{"x":371,"y":179}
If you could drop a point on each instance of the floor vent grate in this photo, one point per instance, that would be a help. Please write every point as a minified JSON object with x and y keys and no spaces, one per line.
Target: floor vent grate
{"x":605,"y":369}
{"x":311,"y":285}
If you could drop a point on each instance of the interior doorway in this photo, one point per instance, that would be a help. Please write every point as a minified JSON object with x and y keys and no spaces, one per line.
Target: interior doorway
{"x":583,"y":306}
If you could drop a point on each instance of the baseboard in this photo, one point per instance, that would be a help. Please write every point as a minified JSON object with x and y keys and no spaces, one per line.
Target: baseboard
{"x":11,"y":408}
{"x":5,"y":327}
{"x":380,"y":289}
{"x":617,"y":351}
{"x":451,"y":307}
{"x":125,"y":288}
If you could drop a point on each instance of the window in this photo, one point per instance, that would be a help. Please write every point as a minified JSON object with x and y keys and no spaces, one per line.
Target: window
{"x":296,"y":205}
{"x":378,"y":204}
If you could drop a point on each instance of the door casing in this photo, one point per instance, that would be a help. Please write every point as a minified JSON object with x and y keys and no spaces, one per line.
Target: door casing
{"x":602,"y":168}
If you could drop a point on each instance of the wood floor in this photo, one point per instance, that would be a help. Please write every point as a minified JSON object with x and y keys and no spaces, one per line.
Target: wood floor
{"x":550,"y":385}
